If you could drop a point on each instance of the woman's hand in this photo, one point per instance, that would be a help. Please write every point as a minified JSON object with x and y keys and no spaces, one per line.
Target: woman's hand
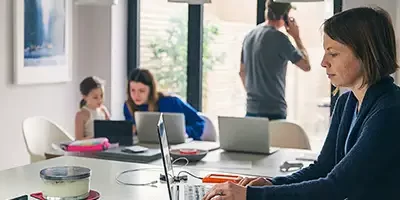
{"x":260,"y":181}
{"x":226,"y":191}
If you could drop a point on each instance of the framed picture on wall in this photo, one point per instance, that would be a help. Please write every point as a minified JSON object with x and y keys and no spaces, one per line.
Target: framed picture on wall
{"x":42,"y":38}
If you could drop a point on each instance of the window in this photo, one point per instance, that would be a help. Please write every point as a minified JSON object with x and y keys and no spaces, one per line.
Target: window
{"x":163,"y":43}
{"x":163,"y":50}
{"x":308,"y":93}
{"x":226,"y":22}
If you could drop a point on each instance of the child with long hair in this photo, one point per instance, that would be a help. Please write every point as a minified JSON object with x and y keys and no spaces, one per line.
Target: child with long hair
{"x":91,"y":107}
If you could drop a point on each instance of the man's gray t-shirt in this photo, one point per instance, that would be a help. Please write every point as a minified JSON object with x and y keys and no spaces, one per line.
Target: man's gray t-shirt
{"x":265,"y":54}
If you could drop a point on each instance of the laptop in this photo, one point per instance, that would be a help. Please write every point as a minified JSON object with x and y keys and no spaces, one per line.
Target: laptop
{"x":146,"y":127}
{"x":117,"y":131}
{"x":176,"y":191}
{"x":245,"y":134}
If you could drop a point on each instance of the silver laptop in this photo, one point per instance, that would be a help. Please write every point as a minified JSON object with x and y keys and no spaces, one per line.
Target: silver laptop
{"x":176,"y":191}
{"x":146,"y":127}
{"x":245,"y":134}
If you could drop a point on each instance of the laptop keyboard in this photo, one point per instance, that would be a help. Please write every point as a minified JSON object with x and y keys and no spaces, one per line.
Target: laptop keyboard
{"x":195,"y":192}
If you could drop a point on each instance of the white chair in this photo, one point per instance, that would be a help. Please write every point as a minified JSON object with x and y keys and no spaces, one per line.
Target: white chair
{"x":286,"y":134}
{"x":39,"y":135}
{"x":209,"y":133}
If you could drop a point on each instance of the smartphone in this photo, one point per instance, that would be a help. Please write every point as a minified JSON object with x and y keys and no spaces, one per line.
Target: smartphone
{"x":134,"y":149}
{"x":286,"y":19}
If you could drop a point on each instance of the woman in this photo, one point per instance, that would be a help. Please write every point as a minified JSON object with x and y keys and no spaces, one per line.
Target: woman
{"x":360,"y":155}
{"x":143,"y":96}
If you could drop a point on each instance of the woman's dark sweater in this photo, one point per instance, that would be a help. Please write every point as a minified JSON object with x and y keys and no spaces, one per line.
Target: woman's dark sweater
{"x":369,"y":166}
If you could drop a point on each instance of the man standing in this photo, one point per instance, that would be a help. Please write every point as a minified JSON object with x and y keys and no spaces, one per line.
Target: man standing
{"x":265,"y":54}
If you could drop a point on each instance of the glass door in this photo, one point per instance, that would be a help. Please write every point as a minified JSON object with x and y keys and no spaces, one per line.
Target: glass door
{"x":226,"y":22}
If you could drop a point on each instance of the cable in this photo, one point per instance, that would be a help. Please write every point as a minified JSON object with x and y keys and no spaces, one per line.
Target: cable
{"x":151,"y":183}
{"x":194,"y":176}
{"x":183,"y":171}
{"x":181,"y":158}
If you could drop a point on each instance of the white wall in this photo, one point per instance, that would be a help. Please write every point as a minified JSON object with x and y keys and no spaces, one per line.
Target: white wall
{"x":102,"y":41}
{"x":94,"y":50}
{"x":18,"y":102}
{"x":388,"y":5}
{"x":99,"y":48}
{"x":119,"y":57}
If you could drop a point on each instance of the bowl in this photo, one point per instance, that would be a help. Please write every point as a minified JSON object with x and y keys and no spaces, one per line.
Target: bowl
{"x":192,"y":155}
{"x":65,"y":182}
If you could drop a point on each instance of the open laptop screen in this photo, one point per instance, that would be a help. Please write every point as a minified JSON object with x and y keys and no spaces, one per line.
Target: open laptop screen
{"x":167,"y":163}
{"x":117,"y":131}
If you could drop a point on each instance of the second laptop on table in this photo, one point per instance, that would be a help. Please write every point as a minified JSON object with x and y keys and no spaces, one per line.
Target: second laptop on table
{"x":146,"y":127}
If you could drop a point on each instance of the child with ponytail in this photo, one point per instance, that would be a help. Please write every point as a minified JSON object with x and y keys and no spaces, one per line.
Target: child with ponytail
{"x":91,"y":107}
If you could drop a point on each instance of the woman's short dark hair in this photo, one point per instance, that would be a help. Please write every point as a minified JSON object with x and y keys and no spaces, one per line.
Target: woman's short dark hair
{"x":370,"y":34}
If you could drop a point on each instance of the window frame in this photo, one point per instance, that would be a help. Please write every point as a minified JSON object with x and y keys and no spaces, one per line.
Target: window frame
{"x":133,"y":44}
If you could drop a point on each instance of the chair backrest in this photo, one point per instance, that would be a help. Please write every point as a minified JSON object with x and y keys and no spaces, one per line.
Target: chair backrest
{"x":286,"y":134}
{"x":39,"y":135}
{"x":210,"y":132}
